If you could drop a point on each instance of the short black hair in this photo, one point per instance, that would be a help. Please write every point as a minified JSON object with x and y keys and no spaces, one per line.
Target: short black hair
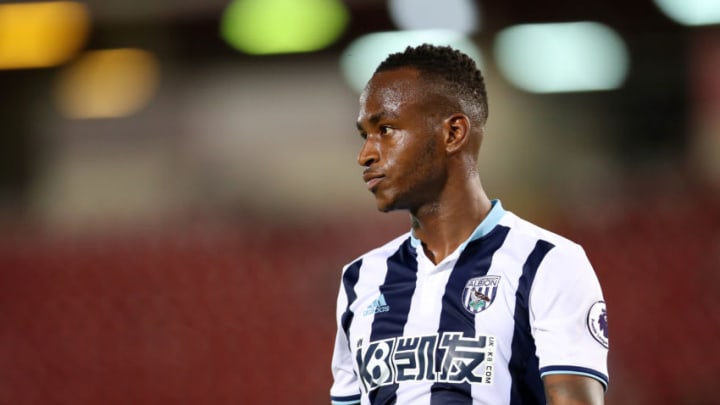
{"x":459,"y":72}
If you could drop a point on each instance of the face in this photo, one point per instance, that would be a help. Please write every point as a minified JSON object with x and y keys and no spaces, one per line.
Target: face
{"x":402,"y":142}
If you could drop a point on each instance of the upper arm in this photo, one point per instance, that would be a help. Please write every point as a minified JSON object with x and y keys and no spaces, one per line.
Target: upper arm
{"x":569,"y":389}
{"x":566,"y":307}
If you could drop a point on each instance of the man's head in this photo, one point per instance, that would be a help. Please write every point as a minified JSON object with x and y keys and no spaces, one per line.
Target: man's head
{"x":422,"y":116}
{"x":452,"y":72}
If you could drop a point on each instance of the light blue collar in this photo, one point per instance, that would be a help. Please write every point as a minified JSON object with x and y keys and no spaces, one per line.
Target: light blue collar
{"x":488,"y":224}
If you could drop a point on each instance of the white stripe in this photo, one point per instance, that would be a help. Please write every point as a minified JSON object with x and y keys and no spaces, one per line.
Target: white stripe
{"x":355,"y":402}
{"x":499,"y":316}
{"x":425,"y":309}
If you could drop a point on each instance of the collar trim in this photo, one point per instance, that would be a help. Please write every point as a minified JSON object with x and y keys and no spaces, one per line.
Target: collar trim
{"x":488,"y":224}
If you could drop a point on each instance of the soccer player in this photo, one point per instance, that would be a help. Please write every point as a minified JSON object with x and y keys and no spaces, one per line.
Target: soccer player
{"x":473,"y":305}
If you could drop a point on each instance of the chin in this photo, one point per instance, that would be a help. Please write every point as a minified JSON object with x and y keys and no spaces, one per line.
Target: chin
{"x":385,"y":209}
{"x":384,"y":205}
{"x":387,"y":202}
{"x":388,"y":205}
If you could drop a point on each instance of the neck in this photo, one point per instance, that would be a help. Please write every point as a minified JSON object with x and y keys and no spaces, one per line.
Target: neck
{"x":445,"y":224}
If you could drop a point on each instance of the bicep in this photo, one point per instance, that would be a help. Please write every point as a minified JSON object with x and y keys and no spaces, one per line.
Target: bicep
{"x":569,"y":389}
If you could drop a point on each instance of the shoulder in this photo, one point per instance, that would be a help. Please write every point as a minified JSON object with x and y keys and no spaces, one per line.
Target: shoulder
{"x":554,"y":255}
{"x":563,"y":266}
{"x":525,"y":229}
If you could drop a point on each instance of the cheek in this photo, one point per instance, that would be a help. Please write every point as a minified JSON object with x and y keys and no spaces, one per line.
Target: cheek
{"x":430,"y":168}
{"x":418,"y":166}
{"x":402,"y":161}
{"x":411,"y":157}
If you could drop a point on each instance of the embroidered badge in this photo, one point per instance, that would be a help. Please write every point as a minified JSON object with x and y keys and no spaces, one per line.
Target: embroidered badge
{"x":479,"y":293}
{"x":597,"y":323}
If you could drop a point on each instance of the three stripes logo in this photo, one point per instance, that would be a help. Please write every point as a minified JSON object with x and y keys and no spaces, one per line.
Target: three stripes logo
{"x":378,"y":305}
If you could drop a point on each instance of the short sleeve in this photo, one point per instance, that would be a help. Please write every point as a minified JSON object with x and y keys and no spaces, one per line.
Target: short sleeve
{"x":568,"y":316}
{"x":345,"y":389}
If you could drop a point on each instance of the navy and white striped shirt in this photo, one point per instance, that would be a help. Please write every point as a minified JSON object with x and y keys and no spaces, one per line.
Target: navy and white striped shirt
{"x":513,"y":303}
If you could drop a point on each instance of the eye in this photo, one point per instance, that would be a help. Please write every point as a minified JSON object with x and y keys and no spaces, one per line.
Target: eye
{"x":385,"y":129}
{"x":363,"y":134}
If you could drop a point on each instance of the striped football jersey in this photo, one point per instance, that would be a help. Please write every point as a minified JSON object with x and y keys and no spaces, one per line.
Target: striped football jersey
{"x":512,"y":304}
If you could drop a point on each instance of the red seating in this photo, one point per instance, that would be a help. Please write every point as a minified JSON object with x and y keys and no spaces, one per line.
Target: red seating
{"x":244,"y":313}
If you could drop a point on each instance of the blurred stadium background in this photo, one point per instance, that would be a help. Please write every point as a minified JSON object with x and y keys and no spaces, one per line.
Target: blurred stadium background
{"x":178,"y":186}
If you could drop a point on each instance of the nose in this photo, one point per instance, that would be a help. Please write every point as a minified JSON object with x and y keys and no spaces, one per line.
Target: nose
{"x":369,"y":153}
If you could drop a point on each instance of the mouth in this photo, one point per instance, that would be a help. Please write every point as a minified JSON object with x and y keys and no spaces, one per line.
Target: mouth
{"x":372,"y":180}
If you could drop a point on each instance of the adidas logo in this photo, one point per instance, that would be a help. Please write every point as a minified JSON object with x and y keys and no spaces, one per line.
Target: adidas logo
{"x":378,"y":305}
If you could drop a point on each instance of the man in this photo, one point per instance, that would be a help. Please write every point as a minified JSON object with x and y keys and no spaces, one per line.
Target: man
{"x":474,"y":305}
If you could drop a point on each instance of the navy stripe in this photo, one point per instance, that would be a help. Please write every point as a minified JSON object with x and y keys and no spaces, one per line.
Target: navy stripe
{"x":398,"y":290}
{"x":347,"y":400}
{"x":576,"y":370}
{"x":349,"y":279}
{"x":473,"y":262}
{"x":527,"y":386}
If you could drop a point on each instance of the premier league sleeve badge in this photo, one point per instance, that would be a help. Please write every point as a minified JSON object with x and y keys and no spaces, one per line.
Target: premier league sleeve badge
{"x":598,"y":323}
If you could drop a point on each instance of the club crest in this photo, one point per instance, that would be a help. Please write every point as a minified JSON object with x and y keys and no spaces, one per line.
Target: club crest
{"x":598,"y":323}
{"x":479,"y":293}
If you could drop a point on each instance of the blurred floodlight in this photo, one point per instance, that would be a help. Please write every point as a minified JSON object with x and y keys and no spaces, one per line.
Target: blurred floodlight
{"x":562,"y":57}
{"x":457,"y":15}
{"x":262,"y":27}
{"x":34,"y":35}
{"x":691,"y":12}
{"x":359,"y":60}
{"x":107,"y":83}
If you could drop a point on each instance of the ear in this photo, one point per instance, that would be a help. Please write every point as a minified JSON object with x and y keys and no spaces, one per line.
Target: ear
{"x":457,"y":132}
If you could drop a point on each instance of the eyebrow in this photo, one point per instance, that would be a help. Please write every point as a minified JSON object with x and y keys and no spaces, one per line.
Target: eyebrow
{"x":375,"y":118}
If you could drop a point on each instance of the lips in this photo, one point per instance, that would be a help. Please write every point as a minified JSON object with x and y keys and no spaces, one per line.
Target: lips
{"x":372,"y":179}
{"x":373,"y":182}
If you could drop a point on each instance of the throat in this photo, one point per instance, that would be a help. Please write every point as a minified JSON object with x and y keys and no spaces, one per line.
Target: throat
{"x":438,"y":255}
{"x":436,"y":242}
{"x":441,"y":232}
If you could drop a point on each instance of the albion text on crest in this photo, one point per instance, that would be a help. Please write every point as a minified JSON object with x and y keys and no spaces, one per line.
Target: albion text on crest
{"x":479,"y":293}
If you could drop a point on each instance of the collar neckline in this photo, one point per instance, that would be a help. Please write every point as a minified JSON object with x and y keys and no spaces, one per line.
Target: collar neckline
{"x":488,"y":224}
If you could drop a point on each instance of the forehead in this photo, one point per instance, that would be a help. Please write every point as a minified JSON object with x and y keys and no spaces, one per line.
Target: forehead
{"x":391,"y":91}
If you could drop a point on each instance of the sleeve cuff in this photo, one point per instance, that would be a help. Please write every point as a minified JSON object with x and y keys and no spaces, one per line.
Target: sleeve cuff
{"x":347,"y":400}
{"x":575,"y":370}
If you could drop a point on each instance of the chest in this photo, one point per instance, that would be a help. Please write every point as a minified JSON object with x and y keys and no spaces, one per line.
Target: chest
{"x":471,"y":298}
